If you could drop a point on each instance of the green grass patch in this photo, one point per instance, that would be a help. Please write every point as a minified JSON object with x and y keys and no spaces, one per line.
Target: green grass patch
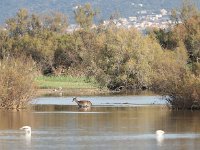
{"x":65,"y":82}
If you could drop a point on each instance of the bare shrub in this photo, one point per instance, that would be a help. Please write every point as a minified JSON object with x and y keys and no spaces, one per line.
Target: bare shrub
{"x":16,"y":82}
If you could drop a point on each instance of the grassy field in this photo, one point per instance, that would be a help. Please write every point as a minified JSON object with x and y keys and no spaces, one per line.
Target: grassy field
{"x":67,"y":82}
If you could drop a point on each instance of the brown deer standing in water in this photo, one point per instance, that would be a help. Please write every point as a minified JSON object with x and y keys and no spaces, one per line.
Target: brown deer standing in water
{"x":82,"y":103}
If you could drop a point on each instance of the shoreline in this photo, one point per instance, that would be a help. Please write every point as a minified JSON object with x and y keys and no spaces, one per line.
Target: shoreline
{"x":87,"y":92}
{"x":71,"y":92}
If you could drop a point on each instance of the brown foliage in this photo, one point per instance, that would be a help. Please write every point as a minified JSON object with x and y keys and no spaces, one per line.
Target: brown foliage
{"x":173,"y":79}
{"x":184,"y":93}
{"x":16,"y":83}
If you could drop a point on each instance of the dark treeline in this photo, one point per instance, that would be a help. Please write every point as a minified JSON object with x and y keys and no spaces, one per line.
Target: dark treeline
{"x":165,"y":60}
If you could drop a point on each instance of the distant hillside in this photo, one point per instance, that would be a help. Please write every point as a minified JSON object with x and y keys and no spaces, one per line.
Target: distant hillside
{"x":126,"y":8}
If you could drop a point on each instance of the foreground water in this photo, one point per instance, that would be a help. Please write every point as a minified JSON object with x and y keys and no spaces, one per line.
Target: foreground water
{"x":114,"y":123}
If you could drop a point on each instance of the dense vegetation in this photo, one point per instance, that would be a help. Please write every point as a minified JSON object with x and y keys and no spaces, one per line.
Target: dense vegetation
{"x":181,"y":83}
{"x":166,"y":61}
{"x":16,"y":82}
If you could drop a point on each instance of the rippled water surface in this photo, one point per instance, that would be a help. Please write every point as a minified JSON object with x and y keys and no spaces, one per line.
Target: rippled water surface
{"x":114,"y":123}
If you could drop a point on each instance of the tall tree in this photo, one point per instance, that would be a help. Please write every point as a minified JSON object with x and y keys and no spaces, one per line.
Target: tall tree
{"x":84,"y":16}
{"x":18,"y":26}
{"x":187,"y":28}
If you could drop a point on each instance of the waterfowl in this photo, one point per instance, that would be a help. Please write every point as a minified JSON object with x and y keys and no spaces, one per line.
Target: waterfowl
{"x":27,"y":129}
{"x":160,"y":132}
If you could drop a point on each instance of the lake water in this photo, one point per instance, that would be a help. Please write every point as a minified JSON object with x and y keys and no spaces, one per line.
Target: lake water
{"x":113,"y":123}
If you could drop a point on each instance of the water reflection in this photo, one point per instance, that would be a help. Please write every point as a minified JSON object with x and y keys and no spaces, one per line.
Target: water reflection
{"x":113,"y":128}
{"x":84,"y":109}
{"x":160,"y":140}
{"x":27,"y":139}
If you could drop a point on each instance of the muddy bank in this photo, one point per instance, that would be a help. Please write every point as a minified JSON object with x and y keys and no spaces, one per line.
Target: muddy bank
{"x":88,"y":92}
{"x":71,"y":92}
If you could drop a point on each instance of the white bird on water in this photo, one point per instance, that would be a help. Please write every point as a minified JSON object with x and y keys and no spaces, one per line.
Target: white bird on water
{"x":160,"y":132}
{"x":27,"y":129}
{"x":160,"y":137}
